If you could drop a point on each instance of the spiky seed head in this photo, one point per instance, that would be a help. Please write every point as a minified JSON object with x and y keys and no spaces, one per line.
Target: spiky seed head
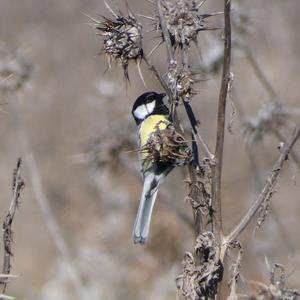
{"x":122,"y":40}
{"x":241,"y":20}
{"x":169,"y":146}
{"x":271,"y":117}
{"x":183,"y":20}
{"x":181,"y":82}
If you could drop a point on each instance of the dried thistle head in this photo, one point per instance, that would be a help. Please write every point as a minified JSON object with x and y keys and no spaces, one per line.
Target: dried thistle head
{"x":200,"y":277}
{"x":181,"y":82}
{"x":276,"y":289}
{"x":271,"y":117}
{"x":15,"y":70}
{"x":183,"y":20}
{"x":122,"y":39}
{"x":212,"y":61}
{"x":241,"y":19}
{"x":169,"y":146}
{"x":184,"y":84}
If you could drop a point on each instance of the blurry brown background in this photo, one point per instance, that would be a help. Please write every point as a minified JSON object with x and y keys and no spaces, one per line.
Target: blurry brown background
{"x":71,"y":103}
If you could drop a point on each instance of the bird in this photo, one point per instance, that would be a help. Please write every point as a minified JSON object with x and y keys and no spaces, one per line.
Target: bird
{"x":150,"y":113}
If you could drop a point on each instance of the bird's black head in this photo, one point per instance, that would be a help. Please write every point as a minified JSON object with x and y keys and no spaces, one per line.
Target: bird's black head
{"x":150,"y":103}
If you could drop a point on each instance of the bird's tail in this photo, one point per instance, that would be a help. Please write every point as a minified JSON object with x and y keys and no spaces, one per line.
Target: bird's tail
{"x":143,"y":218}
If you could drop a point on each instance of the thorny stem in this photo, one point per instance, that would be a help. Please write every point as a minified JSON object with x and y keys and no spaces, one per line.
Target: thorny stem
{"x":294,"y":155}
{"x":259,"y":180}
{"x":195,"y":127}
{"x":198,"y":218}
{"x":268,"y":187}
{"x":18,"y":185}
{"x":171,"y":60}
{"x":217,"y":168}
{"x":156,"y":74}
{"x":166,"y":34}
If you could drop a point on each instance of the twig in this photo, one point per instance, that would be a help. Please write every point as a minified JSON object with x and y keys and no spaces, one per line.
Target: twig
{"x":166,"y":34}
{"x":190,"y":113}
{"x":156,"y":74}
{"x":294,"y":155}
{"x":235,"y":274}
{"x":217,"y":168}
{"x":268,"y":187}
{"x":17,"y":187}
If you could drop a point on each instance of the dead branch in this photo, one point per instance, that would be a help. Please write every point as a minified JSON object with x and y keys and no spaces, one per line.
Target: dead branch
{"x":276,"y":288}
{"x":156,"y":74}
{"x":17,"y":187}
{"x":268,"y":187}
{"x":226,"y":77}
{"x":235,"y":273}
{"x":294,"y":155}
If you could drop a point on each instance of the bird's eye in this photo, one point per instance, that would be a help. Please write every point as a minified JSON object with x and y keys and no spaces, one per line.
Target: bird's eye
{"x":165,"y":99}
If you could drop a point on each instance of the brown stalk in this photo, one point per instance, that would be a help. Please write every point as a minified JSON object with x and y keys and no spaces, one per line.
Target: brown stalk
{"x":217,"y":167}
{"x":165,"y":32}
{"x":156,"y":74}
{"x":268,"y":187}
{"x":18,"y":185}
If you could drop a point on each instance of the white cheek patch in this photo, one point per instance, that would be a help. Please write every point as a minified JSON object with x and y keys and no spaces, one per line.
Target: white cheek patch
{"x":150,"y":107}
{"x":145,"y":110}
{"x":140,"y":112}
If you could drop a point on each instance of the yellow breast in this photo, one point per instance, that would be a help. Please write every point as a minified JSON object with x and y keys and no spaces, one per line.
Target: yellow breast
{"x":151,"y":124}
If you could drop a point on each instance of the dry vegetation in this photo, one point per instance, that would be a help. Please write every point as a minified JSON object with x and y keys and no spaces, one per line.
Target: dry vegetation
{"x":70,"y":121}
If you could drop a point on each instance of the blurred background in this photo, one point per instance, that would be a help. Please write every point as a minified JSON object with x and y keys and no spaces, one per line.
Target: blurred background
{"x":72,"y":239}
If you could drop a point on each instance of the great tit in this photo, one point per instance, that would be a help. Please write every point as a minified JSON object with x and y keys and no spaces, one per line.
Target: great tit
{"x":150,"y":113}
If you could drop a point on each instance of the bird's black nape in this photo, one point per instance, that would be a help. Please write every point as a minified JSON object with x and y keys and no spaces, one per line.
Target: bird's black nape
{"x":140,"y":109}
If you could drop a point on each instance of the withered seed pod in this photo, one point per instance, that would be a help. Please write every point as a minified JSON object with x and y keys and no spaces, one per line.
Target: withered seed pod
{"x":122,"y":40}
{"x":168,"y":146}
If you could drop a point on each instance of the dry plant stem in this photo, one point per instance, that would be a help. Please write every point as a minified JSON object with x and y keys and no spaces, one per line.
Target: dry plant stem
{"x":294,"y":155}
{"x":235,"y":274}
{"x":204,"y":145}
{"x":200,"y":140}
{"x":259,"y":180}
{"x":259,"y":72}
{"x":165,"y":32}
{"x":268,"y":86}
{"x":268,"y":187}
{"x":217,"y":168}
{"x":45,"y":207}
{"x":170,"y":55}
{"x":18,"y":185}
{"x":259,"y":183}
{"x":156,"y":74}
